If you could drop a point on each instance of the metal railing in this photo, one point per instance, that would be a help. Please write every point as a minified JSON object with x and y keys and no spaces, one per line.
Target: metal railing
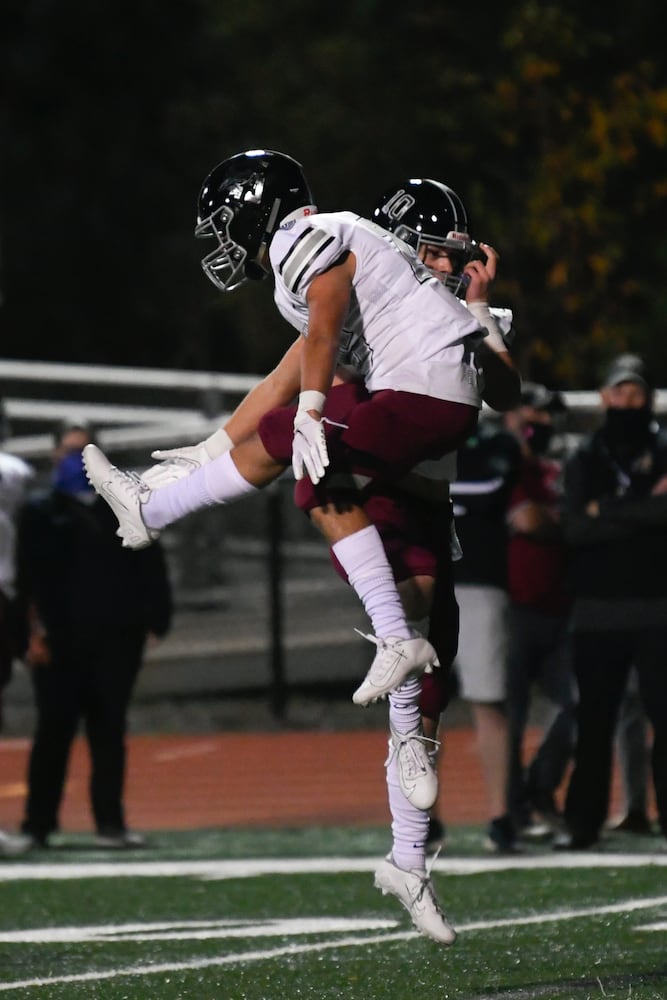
{"x":126,"y":423}
{"x":135,"y":410}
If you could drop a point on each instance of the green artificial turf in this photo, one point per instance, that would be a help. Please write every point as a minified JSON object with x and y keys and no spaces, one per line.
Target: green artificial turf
{"x":561,"y":933}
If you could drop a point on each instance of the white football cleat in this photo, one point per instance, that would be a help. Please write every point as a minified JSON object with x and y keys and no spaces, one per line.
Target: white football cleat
{"x":414,"y":890}
{"x":396,"y":660}
{"x":416,"y":765}
{"x":13,"y":845}
{"x":124,"y":492}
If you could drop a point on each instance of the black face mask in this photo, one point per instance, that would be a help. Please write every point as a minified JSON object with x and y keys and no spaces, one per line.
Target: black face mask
{"x":538,"y":437}
{"x":627,"y":432}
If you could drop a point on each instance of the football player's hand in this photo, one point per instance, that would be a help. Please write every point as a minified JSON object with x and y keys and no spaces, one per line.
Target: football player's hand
{"x":309,"y":447}
{"x":174,"y":464}
{"x":481,"y":274}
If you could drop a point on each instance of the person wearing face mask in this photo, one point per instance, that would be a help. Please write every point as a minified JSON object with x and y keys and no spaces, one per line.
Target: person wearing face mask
{"x":538,"y":616}
{"x":616,"y":523}
{"x":88,"y":607}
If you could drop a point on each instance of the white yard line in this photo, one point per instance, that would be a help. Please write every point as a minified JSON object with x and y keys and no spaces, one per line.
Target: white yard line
{"x":13,"y":871}
{"x":195,"y":930}
{"x":247,"y":957}
{"x":199,"y":964}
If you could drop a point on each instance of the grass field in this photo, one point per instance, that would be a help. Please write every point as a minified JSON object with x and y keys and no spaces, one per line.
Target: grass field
{"x":266,"y":915}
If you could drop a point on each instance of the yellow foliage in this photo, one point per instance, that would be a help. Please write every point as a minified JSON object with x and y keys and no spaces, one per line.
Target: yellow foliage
{"x":558,"y":274}
{"x":534,"y":69}
{"x":600,"y":264}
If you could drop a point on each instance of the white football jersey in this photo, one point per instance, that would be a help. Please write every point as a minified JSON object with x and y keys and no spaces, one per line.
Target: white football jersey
{"x":404,"y":329}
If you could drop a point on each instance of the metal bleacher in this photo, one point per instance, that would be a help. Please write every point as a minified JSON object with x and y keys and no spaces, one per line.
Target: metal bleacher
{"x":257,"y":606}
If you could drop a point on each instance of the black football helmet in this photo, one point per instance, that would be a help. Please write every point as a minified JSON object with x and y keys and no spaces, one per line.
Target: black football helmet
{"x":425,"y":212}
{"x":240,"y":205}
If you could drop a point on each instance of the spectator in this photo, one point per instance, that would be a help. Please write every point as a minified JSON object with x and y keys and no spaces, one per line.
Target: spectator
{"x":15,"y":477}
{"x":632,"y":749}
{"x":539,"y":650}
{"x":616,"y":516}
{"x":89,"y":607}
{"x":488,"y":466}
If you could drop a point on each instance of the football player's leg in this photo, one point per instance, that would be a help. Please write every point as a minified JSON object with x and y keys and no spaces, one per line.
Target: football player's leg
{"x":233,"y":475}
{"x":393,"y":431}
{"x":403,"y":873}
{"x":237,"y":472}
{"x":142,"y":512}
{"x":357,"y":546}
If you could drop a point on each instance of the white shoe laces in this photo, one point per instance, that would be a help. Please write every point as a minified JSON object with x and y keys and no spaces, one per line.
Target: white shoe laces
{"x":427,"y":885}
{"x":136,"y":483}
{"x":395,"y":651}
{"x":398,"y":741}
{"x":379,"y":642}
{"x":429,"y":866}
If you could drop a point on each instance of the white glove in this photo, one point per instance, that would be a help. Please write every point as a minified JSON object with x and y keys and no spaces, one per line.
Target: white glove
{"x":309,"y":447}
{"x":176,"y":463}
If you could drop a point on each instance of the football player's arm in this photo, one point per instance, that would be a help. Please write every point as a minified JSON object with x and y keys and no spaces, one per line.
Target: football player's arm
{"x":278,"y":388}
{"x":534,"y":519}
{"x":328,"y":299}
{"x":502,"y":382}
{"x":581,"y":523}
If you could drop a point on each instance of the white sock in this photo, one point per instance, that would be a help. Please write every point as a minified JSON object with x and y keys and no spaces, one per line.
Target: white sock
{"x":218,"y":482}
{"x":409,"y":825}
{"x":404,"y":714}
{"x":368,"y":571}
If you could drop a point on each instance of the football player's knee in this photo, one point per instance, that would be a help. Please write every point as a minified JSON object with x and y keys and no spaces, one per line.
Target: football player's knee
{"x":276,"y":431}
{"x":309,"y":497}
{"x":435,"y":693}
{"x":306,"y":495}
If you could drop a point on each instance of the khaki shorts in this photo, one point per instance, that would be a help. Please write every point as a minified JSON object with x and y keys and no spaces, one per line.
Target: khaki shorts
{"x":483,"y":633}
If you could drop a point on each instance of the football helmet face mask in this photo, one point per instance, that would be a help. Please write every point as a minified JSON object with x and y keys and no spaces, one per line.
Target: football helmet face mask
{"x":240,"y":205}
{"x":423,"y":212}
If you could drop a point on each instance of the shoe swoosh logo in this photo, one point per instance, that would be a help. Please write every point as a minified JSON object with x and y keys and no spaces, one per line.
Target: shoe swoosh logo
{"x":107,"y":492}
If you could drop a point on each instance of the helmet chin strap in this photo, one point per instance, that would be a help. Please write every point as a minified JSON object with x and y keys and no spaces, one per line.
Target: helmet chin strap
{"x":271,"y":222}
{"x":259,"y":267}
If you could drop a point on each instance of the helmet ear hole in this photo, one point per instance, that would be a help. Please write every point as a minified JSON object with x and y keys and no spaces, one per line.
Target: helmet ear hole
{"x":408,"y":236}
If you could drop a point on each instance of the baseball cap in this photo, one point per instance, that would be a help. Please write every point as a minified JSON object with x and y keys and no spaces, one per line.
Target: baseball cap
{"x":540,"y":398}
{"x":627,"y":368}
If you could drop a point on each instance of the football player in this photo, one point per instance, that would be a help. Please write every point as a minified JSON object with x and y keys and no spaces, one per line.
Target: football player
{"x":431,"y":218}
{"x":361,"y":302}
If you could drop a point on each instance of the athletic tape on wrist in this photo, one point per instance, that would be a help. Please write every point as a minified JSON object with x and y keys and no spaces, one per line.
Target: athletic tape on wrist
{"x":483,"y":315}
{"x":311,"y":399}
{"x":218,"y":443}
